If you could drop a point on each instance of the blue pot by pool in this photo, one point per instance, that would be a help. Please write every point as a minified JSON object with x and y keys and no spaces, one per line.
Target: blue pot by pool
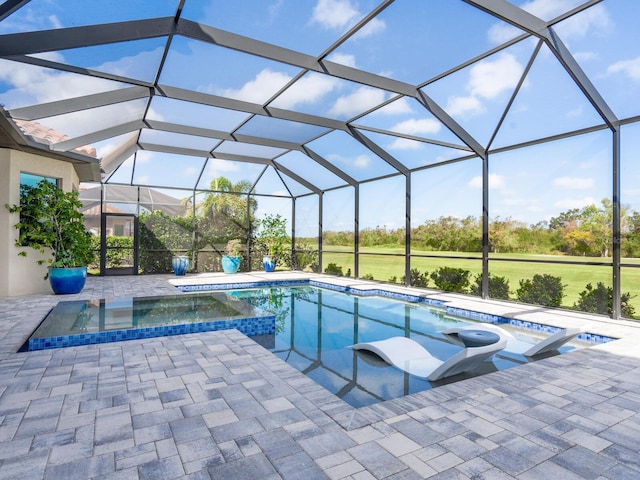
{"x":180,"y":264}
{"x":67,"y":280}
{"x":230,"y":264}
{"x":269,"y":263}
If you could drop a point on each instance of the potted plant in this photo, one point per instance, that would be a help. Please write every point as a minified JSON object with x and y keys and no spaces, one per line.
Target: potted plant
{"x":232,"y":258}
{"x":272,"y":238}
{"x":50,"y":221}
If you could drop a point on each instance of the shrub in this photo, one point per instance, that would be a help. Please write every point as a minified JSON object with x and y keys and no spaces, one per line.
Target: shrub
{"x":333,"y":269}
{"x":544,"y":290}
{"x":417,"y":279}
{"x":451,"y":279}
{"x":600,"y":300}
{"x":367,"y":276}
{"x":498,"y":287}
{"x":305,"y":257}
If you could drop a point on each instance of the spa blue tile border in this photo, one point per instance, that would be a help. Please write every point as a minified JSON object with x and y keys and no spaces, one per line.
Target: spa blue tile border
{"x":457,"y":312}
{"x":251,"y":326}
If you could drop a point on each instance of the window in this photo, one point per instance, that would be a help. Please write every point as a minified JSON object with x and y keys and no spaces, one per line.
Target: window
{"x":31,"y":180}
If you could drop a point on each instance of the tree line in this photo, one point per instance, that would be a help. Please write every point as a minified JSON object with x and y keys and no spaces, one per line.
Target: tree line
{"x":585,"y":231}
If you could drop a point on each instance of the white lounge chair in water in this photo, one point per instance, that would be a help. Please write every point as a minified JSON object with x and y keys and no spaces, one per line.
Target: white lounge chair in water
{"x":551,"y":343}
{"x":413,"y":358}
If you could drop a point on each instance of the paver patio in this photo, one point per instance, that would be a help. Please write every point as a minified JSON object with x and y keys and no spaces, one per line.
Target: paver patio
{"x":217,"y":405}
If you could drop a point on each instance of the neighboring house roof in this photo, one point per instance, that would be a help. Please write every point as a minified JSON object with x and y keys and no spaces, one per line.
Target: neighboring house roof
{"x":95,"y":210}
{"x":147,"y":197}
{"x":49,"y":136}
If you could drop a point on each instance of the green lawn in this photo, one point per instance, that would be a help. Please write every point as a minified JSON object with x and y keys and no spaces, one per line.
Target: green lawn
{"x":575,"y":277}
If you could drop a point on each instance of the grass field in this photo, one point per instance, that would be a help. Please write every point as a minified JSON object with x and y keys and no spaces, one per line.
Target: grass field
{"x":575,"y":277}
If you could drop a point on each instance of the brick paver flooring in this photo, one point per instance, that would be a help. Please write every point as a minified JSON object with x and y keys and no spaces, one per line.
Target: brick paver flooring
{"x":217,"y":405}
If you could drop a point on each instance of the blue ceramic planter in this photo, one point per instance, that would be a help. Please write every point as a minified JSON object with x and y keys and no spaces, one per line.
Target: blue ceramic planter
{"x":230,"y":264}
{"x":67,"y":280}
{"x":180,"y":264}
{"x":269,"y":263}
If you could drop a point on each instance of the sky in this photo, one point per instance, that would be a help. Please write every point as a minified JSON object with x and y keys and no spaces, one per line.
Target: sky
{"x":410,"y":41}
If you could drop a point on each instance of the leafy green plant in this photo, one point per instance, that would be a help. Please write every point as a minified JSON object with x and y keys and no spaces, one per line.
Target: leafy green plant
{"x":498,"y":286}
{"x":333,"y":269}
{"x":541,"y":290}
{"x":50,"y":221}
{"x":305,"y":256}
{"x":161,"y":237}
{"x":234,"y":247}
{"x":600,"y":300}
{"x":272,"y":236}
{"x":367,"y":276}
{"x":451,"y":279}
{"x":416,"y":278}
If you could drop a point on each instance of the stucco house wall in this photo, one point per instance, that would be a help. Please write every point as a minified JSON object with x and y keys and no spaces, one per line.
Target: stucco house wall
{"x":22,"y":275}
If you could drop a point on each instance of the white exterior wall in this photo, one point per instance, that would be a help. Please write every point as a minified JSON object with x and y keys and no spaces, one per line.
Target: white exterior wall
{"x":22,"y":275}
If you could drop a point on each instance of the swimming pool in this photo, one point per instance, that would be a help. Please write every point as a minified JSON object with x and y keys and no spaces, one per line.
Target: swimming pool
{"x":315,"y":327}
{"x":307,"y":326}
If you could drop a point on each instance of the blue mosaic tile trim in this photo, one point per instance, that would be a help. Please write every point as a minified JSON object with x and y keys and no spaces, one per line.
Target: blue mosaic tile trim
{"x":240,"y":286}
{"x":249,"y":326}
{"x":378,"y":292}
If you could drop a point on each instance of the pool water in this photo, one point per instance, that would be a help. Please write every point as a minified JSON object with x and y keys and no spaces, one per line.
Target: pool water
{"x":315,"y":327}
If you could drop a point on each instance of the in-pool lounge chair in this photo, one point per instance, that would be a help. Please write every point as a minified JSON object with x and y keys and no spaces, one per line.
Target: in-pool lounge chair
{"x":553,"y":342}
{"x":413,"y":358}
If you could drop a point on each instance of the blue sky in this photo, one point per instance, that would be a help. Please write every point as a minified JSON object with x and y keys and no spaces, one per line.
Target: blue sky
{"x":410,"y":41}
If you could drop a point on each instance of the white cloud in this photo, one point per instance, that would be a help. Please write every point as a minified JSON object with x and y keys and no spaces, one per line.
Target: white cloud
{"x":631,"y":68}
{"x":309,"y":89}
{"x":585,"y":56}
{"x":374,"y":26}
{"x":34,"y":85}
{"x":496,"y":182}
{"x":405,"y":144}
{"x":362,"y":161}
{"x":547,"y":9}
{"x":414,"y":127}
{"x":593,"y":19}
{"x":342,"y":15}
{"x":189,"y":172}
{"x":397,"y":107}
{"x":144,"y":156}
{"x":487,"y":81}
{"x":343,"y":59}
{"x":464,"y":105}
{"x":55,"y":21}
{"x":502,"y":32}
{"x":360,"y":100}
{"x":334,"y":14}
{"x":569,"y":203}
{"x":576,"y":112}
{"x":218,"y":167}
{"x":260,"y":88}
{"x":574,"y":183}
